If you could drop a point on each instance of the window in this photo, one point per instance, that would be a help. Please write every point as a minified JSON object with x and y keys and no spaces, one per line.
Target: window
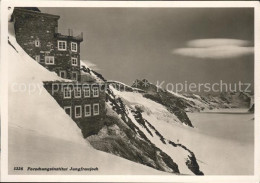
{"x":77,"y":92}
{"x":63,"y":74}
{"x":74,"y":61}
{"x":86,"y":92}
{"x":74,"y":76}
{"x":49,"y":60}
{"x":95,"y":92}
{"x":37,"y":43}
{"x":95,"y":109}
{"x":77,"y":111}
{"x":62,"y":45}
{"x":67,"y":92}
{"x":74,"y":47}
{"x":37,"y":58}
{"x":87,"y":110}
{"x":68,"y":110}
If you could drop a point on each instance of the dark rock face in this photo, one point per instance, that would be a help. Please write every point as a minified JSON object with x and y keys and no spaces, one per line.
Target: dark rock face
{"x":119,"y":139}
{"x":174,"y":104}
{"x":191,"y":161}
{"x":123,"y":138}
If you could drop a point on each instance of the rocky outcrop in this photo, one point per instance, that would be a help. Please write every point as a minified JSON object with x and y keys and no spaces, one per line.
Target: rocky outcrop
{"x":122,"y":137}
{"x":129,"y":139}
{"x":174,"y":104}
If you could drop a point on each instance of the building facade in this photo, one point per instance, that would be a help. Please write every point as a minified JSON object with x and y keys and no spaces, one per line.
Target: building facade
{"x":83,"y":102}
{"x":82,"y":98}
{"x":38,"y":35}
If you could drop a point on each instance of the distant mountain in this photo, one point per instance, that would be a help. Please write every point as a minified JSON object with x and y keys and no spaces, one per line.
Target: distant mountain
{"x":195,"y":102}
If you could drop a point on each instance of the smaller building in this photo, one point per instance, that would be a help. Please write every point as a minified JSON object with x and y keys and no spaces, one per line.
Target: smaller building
{"x":83,"y":102}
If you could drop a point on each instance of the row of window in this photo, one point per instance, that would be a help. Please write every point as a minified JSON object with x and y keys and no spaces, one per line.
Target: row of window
{"x":49,"y":60}
{"x":62,"y":45}
{"x":67,"y":92}
{"x":74,"y":75}
{"x":78,"y":110}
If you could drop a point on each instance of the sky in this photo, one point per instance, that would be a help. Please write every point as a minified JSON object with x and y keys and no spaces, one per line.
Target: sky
{"x":175,"y":45}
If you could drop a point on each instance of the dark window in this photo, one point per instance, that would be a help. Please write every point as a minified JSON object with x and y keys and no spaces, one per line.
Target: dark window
{"x":74,"y":47}
{"x":77,"y":111}
{"x":68,"y":110}
{"x":74,"y":76}
{"x":49,"y":60}
{"x":96,"y":109}
{"x":86,"y":92}
{"x":87,"y":110}
{"x":37,"y":58}
{"x":95,"y":92}
{"x":63,"y":74}
{"x":77,"y":92}
{"x":74,"y":61}
{"x":37,"y":43}
{"x":62,"y":45}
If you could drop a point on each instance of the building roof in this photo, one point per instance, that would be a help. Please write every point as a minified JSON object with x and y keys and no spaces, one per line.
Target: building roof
{"x":78,"y":38}
{"x":34,"y":11}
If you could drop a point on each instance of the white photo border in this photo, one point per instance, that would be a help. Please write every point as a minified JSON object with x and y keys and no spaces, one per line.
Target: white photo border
{"x":124,"y":178}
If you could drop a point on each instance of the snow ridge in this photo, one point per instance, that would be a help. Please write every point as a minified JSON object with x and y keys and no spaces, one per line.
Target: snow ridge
{"x":135,"y":104}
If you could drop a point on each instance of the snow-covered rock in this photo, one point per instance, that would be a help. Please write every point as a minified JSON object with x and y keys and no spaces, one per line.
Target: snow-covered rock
{"x":130,"y":135}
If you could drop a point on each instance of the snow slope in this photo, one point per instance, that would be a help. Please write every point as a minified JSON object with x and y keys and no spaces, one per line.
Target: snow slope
{"x":149,"y":106}
{"x":155,"y":112}
{"x":40,"y":132}
{"x":223,"y":143}
{"x":219,"y":150}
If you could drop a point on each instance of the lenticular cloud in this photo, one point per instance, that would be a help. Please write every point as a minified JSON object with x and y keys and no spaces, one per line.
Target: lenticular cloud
{"x":216,"y":48}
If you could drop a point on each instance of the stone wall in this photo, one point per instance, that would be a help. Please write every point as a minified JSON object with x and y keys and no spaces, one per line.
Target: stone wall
{"x":89,"y":125}
{"x":31,"y":26}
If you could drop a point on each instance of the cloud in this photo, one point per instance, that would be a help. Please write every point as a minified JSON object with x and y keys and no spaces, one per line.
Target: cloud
{"x":215,"y":48}
{"x":90,"y":65}
{"x":202,"y":43}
